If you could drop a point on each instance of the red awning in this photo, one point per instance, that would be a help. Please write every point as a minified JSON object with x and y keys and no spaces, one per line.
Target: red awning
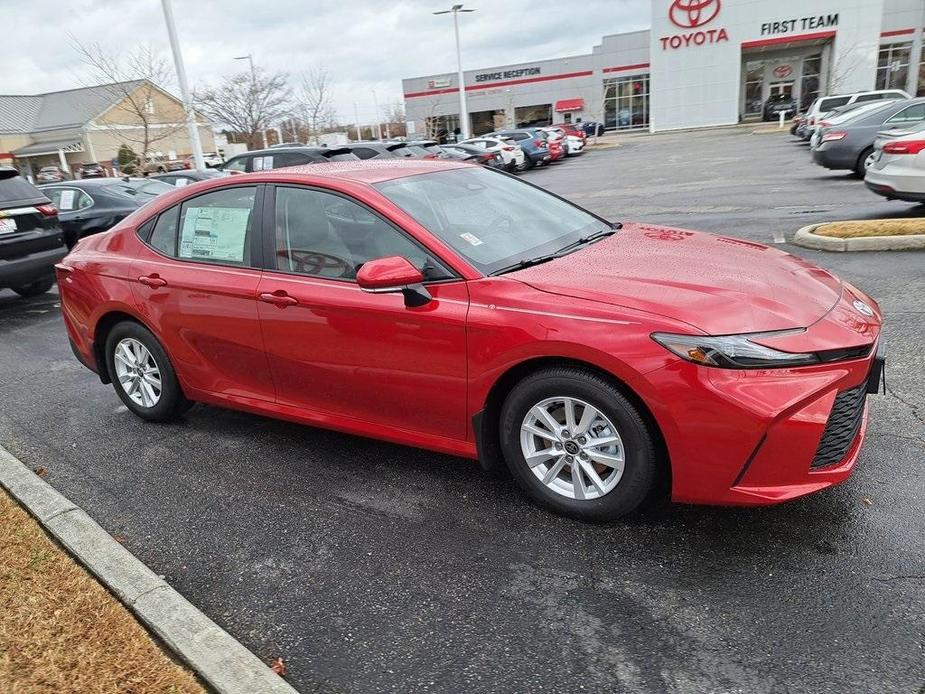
{"x":569,"y":105}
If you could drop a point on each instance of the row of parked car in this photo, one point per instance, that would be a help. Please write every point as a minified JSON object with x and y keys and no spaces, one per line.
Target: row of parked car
{"x":513,"y":150}
{"x":879,"y":135}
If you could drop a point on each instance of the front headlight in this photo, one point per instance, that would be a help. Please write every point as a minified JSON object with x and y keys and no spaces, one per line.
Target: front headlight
{"x":732,"y":351}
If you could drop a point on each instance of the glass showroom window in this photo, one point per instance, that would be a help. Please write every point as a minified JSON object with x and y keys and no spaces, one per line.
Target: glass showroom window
{"x":754,"y":87}
{"x":533,"y":116}
{"x":626,"y":102}
{"x":893,"y":66}
{"x":809,"y":81}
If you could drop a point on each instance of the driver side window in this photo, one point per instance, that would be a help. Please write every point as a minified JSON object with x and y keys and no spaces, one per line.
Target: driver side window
{"x":326,"y":235}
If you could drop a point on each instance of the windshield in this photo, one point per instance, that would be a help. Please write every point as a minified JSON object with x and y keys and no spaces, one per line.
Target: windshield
{"x":140,"y":188}
{"x":491,"y":219}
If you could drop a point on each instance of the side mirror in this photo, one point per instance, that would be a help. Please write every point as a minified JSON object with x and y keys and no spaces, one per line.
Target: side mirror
{"x":394,"y":274}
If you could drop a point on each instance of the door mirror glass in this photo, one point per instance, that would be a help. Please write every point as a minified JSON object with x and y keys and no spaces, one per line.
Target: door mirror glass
{"x":388,"y":274}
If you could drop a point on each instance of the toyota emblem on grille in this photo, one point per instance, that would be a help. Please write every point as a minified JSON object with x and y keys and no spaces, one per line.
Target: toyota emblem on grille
{"x":863,"y":308}
{"x":690,"y":14}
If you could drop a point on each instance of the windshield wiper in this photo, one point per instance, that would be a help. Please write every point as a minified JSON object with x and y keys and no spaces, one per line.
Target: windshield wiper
{"x":526,"y":262}
{"x":590,"y":238}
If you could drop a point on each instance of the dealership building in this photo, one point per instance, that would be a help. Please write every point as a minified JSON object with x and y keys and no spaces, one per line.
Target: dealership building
{"x":703,"y":63}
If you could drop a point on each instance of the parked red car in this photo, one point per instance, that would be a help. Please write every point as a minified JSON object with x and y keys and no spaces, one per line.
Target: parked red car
{"x":570,"y":129}
{"x":456,"y":308}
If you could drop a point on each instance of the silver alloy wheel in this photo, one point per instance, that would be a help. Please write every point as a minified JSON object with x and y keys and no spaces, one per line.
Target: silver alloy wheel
{"x":572,"y":448}
{"x":869,"y":160}
{"x":137,"y":372}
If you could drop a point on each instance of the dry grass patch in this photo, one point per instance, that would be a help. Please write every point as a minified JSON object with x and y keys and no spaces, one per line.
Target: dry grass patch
{"x":873,"y":227}
{"x":61,"y":631}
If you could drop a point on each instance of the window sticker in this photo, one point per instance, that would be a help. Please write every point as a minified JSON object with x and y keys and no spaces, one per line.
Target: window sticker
{"x":471,"y":238}
{"x":180,"y":182}
{"x":66,"y":201}
{"x":214,"y":233}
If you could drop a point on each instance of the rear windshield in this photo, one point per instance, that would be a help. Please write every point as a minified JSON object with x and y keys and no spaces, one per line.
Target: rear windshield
{"x":413,"y":151}
{"x":140,"y":188}
{"x":834,"y":102}
{"x":17,"y":189}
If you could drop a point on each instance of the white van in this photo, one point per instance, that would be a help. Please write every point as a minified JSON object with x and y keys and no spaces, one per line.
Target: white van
{"x":825,"y":104}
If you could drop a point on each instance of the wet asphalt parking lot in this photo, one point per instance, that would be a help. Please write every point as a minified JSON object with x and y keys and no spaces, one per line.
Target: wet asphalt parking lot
{"x":371,"y":567}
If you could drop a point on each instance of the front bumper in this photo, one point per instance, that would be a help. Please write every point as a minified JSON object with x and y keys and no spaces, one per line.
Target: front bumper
{"x":763,"y":436}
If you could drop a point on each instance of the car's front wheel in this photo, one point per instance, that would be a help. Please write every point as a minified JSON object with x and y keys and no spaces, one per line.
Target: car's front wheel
{"x":577,"y":445}
{"x":36,"y":288}
{"x":142,"y":374}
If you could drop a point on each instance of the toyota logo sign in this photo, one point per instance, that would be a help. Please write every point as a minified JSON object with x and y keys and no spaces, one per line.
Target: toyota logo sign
{"x":782,"y":71}
{"x":690,"y":14}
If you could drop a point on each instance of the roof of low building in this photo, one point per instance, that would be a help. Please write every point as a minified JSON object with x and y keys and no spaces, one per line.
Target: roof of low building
{"x":71,"y":108}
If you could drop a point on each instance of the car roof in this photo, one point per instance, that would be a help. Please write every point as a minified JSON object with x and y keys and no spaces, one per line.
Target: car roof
{"x":369,"y":171}
{"x":90,"y":182}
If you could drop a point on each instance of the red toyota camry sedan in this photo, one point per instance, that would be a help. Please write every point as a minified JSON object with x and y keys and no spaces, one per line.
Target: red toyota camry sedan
{"x":458,"y":309}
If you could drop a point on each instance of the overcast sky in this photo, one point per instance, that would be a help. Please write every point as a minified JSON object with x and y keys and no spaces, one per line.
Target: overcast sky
{"x":364,"y":44}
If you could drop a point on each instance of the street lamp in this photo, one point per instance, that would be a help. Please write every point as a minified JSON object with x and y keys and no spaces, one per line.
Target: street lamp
{"x":463,"y":112}
{"x":195,"y":143}
{"x":376,"y":107}
{"x":250,"y":59}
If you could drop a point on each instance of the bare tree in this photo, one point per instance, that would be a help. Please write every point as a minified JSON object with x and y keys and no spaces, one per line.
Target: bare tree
{"x":315,"y":101}
{"x":395,"y":119}
{"x":247,"y":102}
{"x":133,"y":81}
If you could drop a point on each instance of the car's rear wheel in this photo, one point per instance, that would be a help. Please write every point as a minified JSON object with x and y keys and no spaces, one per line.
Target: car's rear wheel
{"x":865,"y":161}
{"x":36,"y":288}
{"x":577,"y":445}
{"x":142,"y":374}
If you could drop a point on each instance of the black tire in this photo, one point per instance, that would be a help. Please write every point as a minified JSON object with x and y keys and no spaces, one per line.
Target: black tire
{"x":172,"y":402}
{"x":640,"y":470}
{"x":859,"y":169}
{"x":36,"y":288}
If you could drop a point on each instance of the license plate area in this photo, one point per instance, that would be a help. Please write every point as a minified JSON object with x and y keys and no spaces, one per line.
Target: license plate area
{"x":7,"y":225}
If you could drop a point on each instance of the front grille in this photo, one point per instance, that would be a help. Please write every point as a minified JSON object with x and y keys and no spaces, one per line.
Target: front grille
{"x":842,"y":427}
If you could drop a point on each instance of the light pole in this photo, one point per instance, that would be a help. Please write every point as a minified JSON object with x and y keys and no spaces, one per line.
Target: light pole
{"x":376,"y":106}
{"x":195,"y":144}
{"x":463,"y":112}
{"x":250,"y":59}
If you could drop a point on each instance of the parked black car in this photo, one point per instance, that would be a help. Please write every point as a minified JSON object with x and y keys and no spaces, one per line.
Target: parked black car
{"x":279,"y":157}
{"x":96,"y":204}
{"x":476,"y":155}
{"x":381,"y":150}
{"x":187,"y":176}
{"x":30,"y":236}
{"x":778,"y":104}
{"x":91,"y":169}
{"x":593,"y":128}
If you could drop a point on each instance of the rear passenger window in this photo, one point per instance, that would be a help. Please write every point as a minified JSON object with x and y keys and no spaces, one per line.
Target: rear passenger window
{"x":913,"y":114}
{"x":211,"y":228}
{"x":364,"y":153}
{"x":164,"y":236}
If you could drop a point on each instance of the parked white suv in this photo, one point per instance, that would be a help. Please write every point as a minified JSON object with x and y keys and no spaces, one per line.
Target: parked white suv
{"x":512,"y":156}
{"x":824,"y":104}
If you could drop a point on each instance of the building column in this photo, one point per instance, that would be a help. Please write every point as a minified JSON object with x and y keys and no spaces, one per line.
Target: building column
{"x":915,"y":55}
{"x":63,"y":160}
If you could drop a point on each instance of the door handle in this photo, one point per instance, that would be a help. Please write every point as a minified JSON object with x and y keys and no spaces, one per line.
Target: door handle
{"x":152,"y":280}
{"x":278,"y":298}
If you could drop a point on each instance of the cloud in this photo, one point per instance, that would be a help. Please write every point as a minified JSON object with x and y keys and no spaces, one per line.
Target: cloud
{"x":365,"y":44}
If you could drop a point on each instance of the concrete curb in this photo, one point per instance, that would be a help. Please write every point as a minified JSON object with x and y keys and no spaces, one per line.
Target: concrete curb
{"x":226,"y":665}
{"x":806,"y":238}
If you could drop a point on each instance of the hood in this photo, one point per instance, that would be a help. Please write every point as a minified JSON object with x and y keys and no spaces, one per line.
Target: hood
{"x":718,"y":284}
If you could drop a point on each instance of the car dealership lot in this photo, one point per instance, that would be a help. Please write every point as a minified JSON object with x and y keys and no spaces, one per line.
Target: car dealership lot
{"x":372,"y":567}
